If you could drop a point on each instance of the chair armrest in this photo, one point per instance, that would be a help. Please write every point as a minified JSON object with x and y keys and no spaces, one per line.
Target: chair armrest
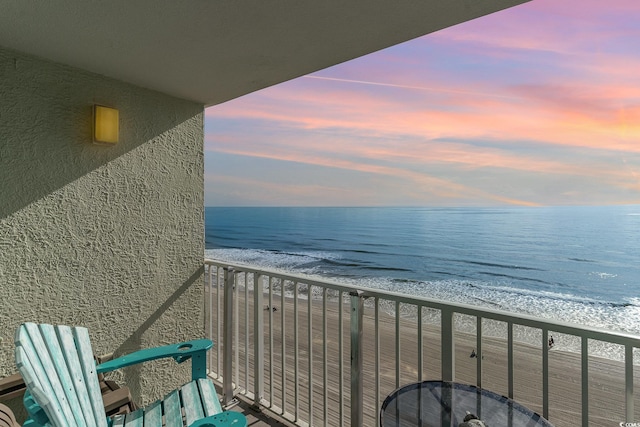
{"x":195,"y":350}
{"x":223,"y":419}
{"x":37,"y":416}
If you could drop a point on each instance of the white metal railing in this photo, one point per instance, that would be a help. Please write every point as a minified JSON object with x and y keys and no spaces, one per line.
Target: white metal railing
{"x":280,"y":341}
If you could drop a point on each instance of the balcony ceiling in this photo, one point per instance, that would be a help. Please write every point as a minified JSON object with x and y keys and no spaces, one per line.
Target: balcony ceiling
{"x":212,"y":51}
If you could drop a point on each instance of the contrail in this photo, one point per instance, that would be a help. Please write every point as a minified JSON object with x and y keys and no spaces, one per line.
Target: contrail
{"x":428,"y":89}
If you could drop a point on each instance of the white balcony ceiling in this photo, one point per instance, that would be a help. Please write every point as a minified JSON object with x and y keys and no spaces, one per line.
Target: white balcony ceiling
{"x":211,"y":51}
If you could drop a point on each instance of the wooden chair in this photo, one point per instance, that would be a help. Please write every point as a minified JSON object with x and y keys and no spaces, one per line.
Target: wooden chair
{"x":60,"y":372}
{"x":116,"y":399}
{"x":7,"y":419}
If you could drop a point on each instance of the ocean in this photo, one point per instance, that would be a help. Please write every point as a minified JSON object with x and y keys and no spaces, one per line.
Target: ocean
{"x":574,"y":264}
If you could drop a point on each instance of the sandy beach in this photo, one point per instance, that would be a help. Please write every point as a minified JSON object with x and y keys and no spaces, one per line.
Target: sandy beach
{"x":606,"y":377}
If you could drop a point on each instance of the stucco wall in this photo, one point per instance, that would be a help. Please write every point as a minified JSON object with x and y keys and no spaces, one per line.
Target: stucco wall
{"x":109,"y":237}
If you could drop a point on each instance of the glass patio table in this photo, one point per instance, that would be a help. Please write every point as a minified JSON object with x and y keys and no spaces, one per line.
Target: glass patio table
{"x":445,"y":404}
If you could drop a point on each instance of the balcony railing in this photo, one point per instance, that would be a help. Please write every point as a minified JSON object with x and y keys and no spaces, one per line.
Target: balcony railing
{"x":323,"y":353}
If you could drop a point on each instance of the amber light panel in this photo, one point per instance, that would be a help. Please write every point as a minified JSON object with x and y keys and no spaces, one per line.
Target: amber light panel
{"x":105,"y":125}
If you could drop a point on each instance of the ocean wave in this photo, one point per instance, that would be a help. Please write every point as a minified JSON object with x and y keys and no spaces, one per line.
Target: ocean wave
{"x":603,"y":275}
{"x":499,"y":295}
{"x":512,"y":277}
{"x":289,"y":261}
{"x":362,"y":251}
{"x":490,"y":264}
{"x":567,"y":264}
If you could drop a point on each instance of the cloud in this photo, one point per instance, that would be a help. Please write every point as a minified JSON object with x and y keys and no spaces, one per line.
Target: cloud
{"x":545,"y":89}
{"x":244,"y":191}
{"x":427,"y":184}
{"x":422,"y":88}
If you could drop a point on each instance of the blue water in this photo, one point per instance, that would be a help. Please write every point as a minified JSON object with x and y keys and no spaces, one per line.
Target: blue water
{"x":575,"y":264}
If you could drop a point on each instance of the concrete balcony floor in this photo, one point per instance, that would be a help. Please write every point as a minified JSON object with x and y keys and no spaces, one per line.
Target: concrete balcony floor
{"x":260,"y":419}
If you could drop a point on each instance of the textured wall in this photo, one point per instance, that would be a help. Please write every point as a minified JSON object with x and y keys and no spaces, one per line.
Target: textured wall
{"x":110,"y":237}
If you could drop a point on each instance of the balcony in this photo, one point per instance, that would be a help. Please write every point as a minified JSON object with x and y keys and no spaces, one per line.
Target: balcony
{"x":346,"y":349}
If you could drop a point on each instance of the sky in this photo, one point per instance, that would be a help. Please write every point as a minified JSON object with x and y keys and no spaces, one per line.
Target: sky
{"x":537,"y":105}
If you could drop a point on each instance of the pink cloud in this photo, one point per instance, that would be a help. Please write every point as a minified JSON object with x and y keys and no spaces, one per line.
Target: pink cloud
{"x":568,"y":115}
{"x":565,"y":115}
{"x":583,"y":95}
{"x":546,"y":25}
{"x":269,"y":193}
{"x":426,"y":183}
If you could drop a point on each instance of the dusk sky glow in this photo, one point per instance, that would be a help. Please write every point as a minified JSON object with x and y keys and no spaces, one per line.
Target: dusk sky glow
{"x":535,"y":105}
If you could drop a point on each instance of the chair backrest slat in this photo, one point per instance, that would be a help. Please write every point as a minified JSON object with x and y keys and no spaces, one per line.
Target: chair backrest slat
{"x":90,"y":371}
{"x":72,"y":358}
{"x":32,"y":352}
{"x":30,"y":377}
{"x":60,"y":372}
{"x":53,"y":345}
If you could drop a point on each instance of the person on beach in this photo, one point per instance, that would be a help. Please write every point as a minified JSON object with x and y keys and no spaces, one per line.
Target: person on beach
{"x":473,"y":354}
{"x":551,"y":341}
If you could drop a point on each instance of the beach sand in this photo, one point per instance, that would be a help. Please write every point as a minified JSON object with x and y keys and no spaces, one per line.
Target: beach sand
{"x":606,"y":377}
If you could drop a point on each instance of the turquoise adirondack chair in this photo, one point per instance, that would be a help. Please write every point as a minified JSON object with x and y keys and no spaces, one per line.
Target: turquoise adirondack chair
{"x":57,"y":365}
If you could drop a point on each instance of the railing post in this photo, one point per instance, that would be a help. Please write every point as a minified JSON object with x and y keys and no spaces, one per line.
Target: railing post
{"x":628,"y":382}
{"x":258,"y":339}
{"x":584,"y":342}
{"x":510,"y":358}
{"x":479,"y":351}
{"x":545,"y":373}
{"x":357,"y":309}
{"x":227,"y":358}
{"x":447,"y":341}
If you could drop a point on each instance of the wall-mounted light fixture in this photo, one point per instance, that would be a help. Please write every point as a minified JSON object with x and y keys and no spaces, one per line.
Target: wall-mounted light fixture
{"x":105,"y":125}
